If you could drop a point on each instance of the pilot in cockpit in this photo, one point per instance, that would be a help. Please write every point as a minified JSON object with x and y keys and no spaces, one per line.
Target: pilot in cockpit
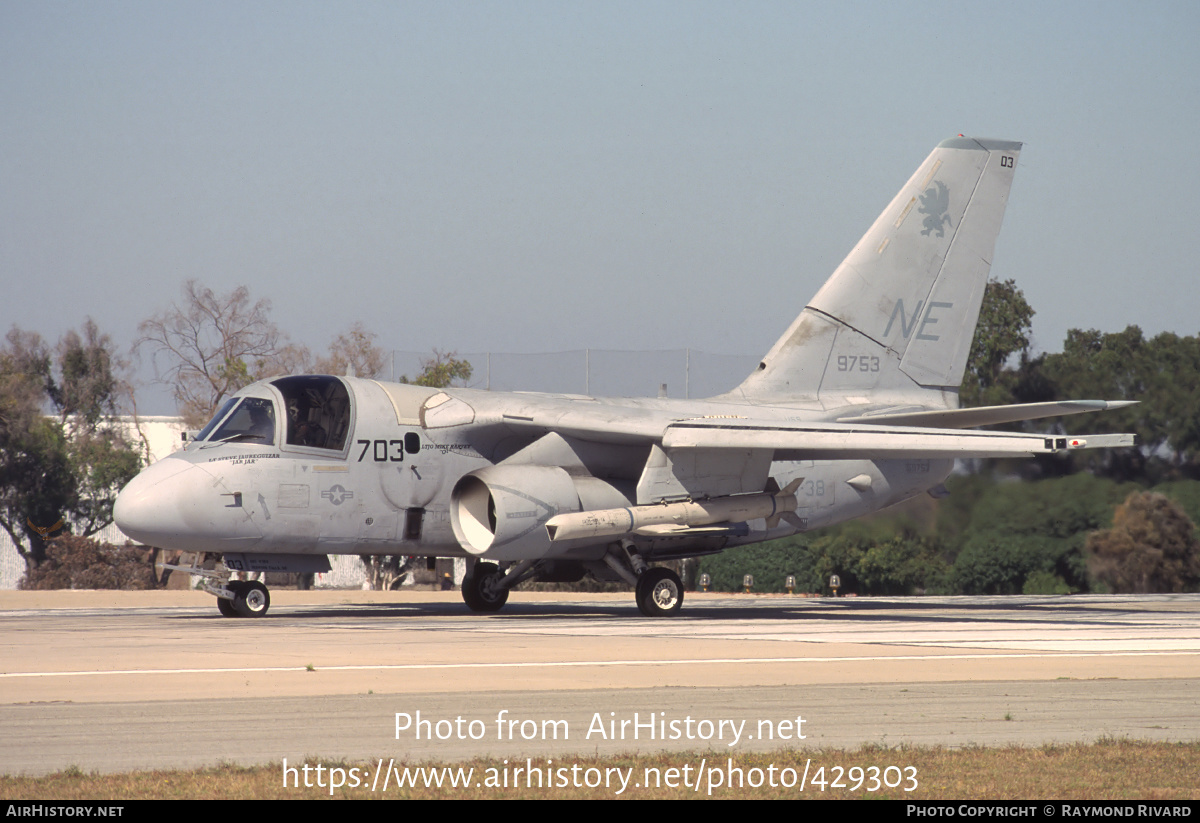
{"x":301,"y":430}
{"x":262,"y":424}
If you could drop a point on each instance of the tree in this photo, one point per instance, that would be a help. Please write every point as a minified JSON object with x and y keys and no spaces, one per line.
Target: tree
{"x":89,"y":384}
{"x":1151,"y":547}
{"x":353,"y":351}
{"x":1005,"y":321}
{"x":214,"y":345}
{"x":1021,"y":531}
{"x":62,"y":470}
{"x":1172,"y":399}
{"x":24,"y":375}
{"x":1163,"y":373}
{"x":85,"y":395}
{"x":441,"y":370}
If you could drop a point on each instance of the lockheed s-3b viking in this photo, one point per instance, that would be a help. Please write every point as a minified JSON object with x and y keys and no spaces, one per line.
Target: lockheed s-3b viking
{"x":854,"y":408}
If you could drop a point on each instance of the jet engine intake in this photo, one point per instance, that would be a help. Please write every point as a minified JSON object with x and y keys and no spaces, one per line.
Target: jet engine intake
{"x":500,"y":512}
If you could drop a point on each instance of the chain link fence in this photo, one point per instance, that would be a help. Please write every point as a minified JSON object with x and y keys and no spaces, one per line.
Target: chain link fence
{"x":685,"y":373}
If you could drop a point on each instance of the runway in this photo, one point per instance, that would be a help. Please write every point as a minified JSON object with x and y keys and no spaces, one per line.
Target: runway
{"x":120,"y":681}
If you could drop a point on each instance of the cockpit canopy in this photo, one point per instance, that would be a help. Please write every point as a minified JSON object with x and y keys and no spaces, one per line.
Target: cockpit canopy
{"x":252,"y":421}
{"x":317,"y":415}
{"x":318,"y":410}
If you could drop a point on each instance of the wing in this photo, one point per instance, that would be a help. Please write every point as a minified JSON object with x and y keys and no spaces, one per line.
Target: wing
{"x":728,"y":462}
{"x":727,"y":455}
{"x":851,"y":441}
{"x":883,"y":436}
{"x":988,"y":415}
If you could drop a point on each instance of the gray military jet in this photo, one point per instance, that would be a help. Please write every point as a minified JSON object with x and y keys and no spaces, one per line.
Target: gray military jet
{"x":855,"y":408}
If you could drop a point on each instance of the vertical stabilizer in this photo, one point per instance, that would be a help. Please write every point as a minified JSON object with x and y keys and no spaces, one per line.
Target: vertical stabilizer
{"x":897,"y":317}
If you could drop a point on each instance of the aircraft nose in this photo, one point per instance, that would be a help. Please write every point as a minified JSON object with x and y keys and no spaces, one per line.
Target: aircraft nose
{"x":174,"y":504}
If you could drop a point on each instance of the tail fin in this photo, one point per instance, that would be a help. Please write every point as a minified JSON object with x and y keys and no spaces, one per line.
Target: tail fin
{"x":895,"y":321}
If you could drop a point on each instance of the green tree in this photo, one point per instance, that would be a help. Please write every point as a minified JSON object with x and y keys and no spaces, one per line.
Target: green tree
{"x":441,"y":371}
{"x":1163,"y":373}
{"x":886,"y":555}
{"x":86,"y":393}
{"x":997,"y":564}
{"x":769,"y":563}
{"x":1018,"y":531}
{"x":1170,"y":407}
{"x":63,"y":469}
{"x":1005,"y":321}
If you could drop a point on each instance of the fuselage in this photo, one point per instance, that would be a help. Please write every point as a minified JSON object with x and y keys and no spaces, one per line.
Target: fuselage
{"x":327,"y":465}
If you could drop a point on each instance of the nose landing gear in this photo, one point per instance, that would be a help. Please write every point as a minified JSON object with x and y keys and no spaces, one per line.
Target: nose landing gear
{"x":235,"y":598}
{"x":250,"y":598}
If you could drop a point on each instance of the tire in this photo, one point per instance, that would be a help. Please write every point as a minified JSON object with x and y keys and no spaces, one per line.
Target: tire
{"x":478,"y":588}
{"x":659,"y":593}
{"x":252,"y":599}
{"x":225,"y":607}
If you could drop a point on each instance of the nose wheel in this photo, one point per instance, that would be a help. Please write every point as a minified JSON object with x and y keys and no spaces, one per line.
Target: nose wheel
{"x":250,"y":599}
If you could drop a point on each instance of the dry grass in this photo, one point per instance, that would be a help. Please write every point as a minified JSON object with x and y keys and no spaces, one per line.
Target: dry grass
{"x":1108,"y":770}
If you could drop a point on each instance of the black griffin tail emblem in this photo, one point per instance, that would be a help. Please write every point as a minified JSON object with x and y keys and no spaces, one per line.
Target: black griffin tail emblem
{"x":935,"y":203}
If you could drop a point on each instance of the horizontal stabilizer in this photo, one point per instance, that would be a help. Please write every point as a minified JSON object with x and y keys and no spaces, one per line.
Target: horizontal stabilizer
{"x":988,"y":415}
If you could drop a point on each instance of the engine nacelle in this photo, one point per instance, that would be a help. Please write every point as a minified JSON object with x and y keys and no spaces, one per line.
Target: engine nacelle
{"x":500,"y":512}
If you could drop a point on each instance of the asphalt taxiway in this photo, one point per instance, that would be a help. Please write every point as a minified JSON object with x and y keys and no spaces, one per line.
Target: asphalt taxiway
{"x":121,"y":681}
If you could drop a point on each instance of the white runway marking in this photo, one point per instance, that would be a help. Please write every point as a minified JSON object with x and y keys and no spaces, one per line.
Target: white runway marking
{"x":572,"y":664}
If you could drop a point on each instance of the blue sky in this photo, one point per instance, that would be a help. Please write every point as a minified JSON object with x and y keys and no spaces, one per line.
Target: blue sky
{"x":545,"y":176}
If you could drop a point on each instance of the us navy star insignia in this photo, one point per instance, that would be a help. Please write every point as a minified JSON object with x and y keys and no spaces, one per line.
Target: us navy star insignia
{"x":337,"y":494}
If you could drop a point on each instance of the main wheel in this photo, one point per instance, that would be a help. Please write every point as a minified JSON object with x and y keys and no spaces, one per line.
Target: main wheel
{"x":479,"y":589}
{"x":659,"y":593}
{"x":251,"y":599}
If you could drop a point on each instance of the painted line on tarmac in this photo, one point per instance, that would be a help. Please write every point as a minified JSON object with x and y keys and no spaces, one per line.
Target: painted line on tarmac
{"x":601,"y":663}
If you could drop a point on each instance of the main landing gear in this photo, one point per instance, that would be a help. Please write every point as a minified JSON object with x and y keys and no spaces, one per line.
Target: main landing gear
{"x":481,"y":589}
{"x":658,"y":591}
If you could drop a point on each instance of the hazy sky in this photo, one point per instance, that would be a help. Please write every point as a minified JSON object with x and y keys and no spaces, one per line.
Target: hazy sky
{"x":544,"y":176}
